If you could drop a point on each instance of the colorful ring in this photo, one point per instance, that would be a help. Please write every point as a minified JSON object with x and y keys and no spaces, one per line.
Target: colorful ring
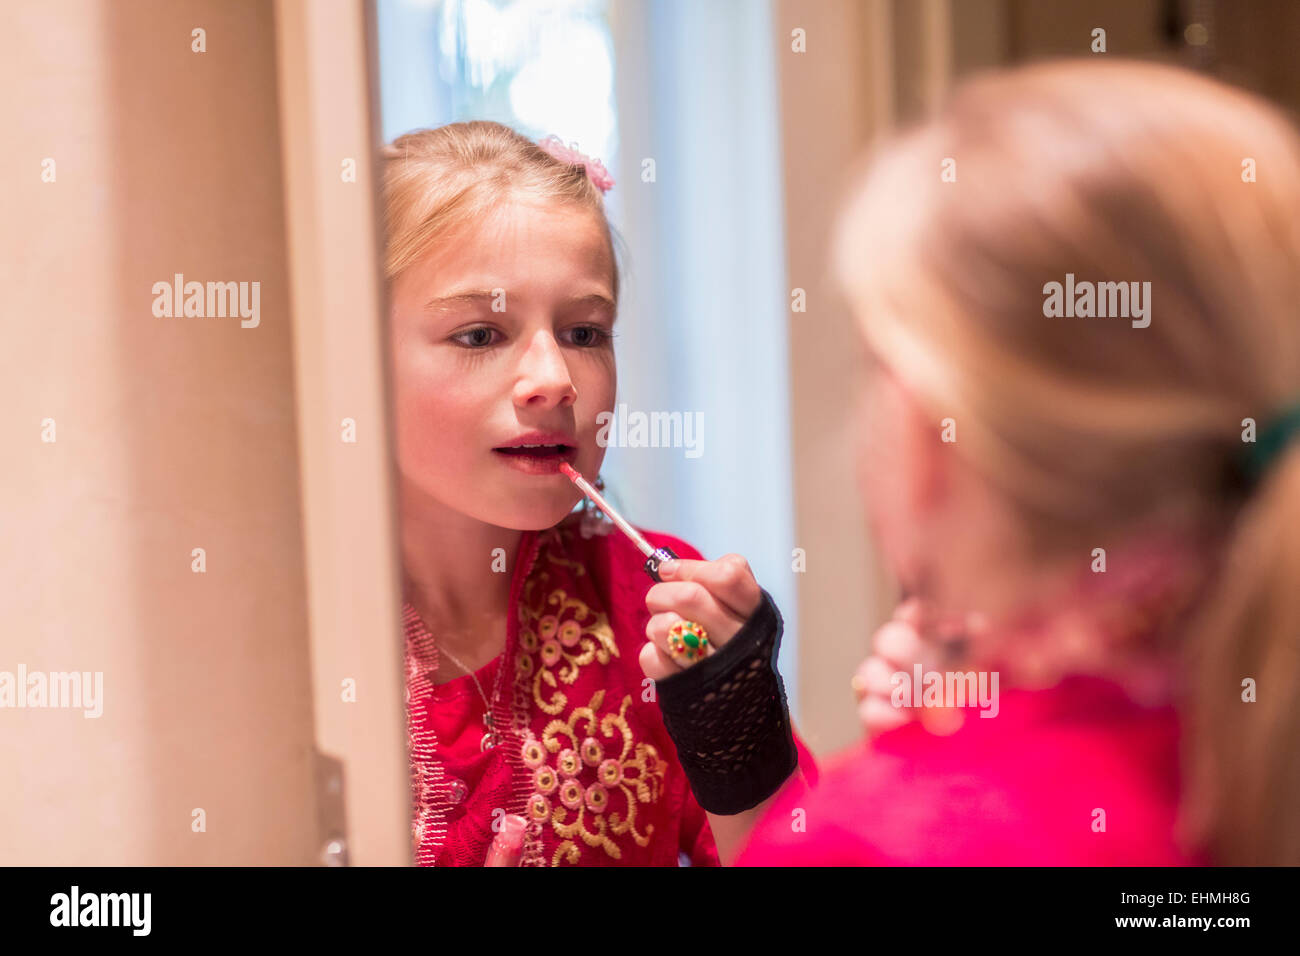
{"x":688,"y":641}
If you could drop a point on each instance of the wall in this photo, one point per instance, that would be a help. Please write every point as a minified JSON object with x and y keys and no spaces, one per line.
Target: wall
{"x":172,"y":434}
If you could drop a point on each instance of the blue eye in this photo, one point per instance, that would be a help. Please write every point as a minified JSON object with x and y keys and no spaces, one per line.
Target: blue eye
{"x":478,"y":337}
{"x":593,"y":336}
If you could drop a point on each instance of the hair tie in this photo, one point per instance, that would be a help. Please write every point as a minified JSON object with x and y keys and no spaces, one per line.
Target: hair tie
{"x":1271,"y":442}
{"x":596,"y":171}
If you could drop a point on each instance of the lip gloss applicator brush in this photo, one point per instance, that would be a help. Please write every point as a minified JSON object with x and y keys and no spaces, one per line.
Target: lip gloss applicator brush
{"x":654,"y":556}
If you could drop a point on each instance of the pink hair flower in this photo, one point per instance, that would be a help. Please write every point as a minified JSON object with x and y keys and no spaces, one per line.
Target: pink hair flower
{"x":596,"y":171}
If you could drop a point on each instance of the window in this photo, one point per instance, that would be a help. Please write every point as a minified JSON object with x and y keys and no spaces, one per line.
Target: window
{"x":703,"y":323}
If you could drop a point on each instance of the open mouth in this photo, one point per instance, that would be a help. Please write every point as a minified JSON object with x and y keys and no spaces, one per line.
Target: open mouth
{"x":558,"y":452}
{"x":537,"y":459}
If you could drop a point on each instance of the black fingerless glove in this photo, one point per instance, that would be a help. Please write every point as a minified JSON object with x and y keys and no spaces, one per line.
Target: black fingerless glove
{"x":728,"y":717}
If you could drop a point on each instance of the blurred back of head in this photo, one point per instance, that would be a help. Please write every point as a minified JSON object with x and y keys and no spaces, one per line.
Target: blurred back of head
{"x":1094,"y":427}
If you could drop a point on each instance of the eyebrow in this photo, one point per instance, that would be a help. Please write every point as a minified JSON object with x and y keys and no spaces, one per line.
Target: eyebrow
{"x":447,"y":303}
{"x":443,"y":303}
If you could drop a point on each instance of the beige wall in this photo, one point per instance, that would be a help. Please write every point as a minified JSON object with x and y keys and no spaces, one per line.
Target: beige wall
{"x":172,"y":434}
{"x":329,"y":120}
{"x":832,"y":98}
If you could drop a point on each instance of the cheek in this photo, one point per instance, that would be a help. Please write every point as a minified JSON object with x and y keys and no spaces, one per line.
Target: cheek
{"x":597,"y":385}
{"x":882,"y":472}
{"x":878,"y":449}
{"x":439,"y":422}
{"x":877,"y":476}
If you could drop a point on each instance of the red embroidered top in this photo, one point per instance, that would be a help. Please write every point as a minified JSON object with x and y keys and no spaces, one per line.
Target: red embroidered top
{"x":584,"y":756}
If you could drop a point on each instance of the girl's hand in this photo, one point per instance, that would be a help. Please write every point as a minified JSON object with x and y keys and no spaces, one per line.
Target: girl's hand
{"x":719,"y":594}
{"x":911,"y":637}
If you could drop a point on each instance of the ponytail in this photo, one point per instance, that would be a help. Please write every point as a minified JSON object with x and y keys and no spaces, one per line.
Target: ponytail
{"x":1242,"y":799}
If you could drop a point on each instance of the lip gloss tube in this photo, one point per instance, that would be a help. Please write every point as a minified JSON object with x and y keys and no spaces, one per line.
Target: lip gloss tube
{"x":506,"y":846}
{"x":654,"y":556}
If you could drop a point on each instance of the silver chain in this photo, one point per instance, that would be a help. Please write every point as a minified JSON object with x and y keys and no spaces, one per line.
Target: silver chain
{"x":491,"y":738}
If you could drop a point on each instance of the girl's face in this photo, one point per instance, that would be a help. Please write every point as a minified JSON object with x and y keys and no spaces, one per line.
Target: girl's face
{"x":502,"y":337}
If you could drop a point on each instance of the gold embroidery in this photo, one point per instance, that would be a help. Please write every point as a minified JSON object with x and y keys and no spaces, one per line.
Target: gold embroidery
{"x":590,"y":776}
{"x":581,"y":811}
{"x":575,"y":566}
{"x":566,"y":639}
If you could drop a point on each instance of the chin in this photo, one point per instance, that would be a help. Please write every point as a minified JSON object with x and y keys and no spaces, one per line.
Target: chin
{"x":519,"y":516}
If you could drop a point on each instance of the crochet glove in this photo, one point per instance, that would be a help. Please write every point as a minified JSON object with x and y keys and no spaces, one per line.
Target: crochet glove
{"x":728,"y":717}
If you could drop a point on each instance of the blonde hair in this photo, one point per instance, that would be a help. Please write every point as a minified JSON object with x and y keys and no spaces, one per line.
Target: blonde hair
{"x":1092,"y":428}
{"x":436,"y":181}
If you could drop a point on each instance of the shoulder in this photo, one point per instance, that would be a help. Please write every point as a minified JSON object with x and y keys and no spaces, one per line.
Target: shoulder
{"x":999,"y":792}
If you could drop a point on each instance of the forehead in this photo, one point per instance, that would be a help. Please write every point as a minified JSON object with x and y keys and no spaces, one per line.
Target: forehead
{"x":522,"y":246}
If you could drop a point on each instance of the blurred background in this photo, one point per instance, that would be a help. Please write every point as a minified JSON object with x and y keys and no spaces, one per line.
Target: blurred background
{"x":183,"y":510}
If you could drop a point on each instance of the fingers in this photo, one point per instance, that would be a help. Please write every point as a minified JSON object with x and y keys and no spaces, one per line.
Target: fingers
{"x":655,"y":664}
{"x":915,"y":635}
{"x":656,"y":632}
{"x":949,"y":634}
{"x":936,"y":648}
{"x":719,"y":595}
{"x":691,"y":601}
{"x":899,"y":643}
{"x":878,"y":715}
{"x":910,"y":612}
{"x":874,"y":676}
{"x":873,"y":684}
{"x":729,"y":579}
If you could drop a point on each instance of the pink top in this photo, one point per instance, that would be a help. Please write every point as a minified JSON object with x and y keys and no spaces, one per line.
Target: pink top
{"x":1021,"y":788}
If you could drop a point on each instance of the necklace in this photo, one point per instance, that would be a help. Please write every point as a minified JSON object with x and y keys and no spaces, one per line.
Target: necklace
{"x":491,"y":738}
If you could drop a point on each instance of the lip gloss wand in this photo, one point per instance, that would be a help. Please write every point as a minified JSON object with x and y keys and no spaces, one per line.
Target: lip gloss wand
{"x":654,"y":556}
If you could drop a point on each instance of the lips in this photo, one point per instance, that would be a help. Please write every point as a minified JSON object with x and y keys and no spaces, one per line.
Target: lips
{"x":538,"y":443}
{"x":539,"y":452}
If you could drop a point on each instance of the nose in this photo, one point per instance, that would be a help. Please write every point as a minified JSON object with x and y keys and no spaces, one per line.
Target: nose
{"x":543,"y":376}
